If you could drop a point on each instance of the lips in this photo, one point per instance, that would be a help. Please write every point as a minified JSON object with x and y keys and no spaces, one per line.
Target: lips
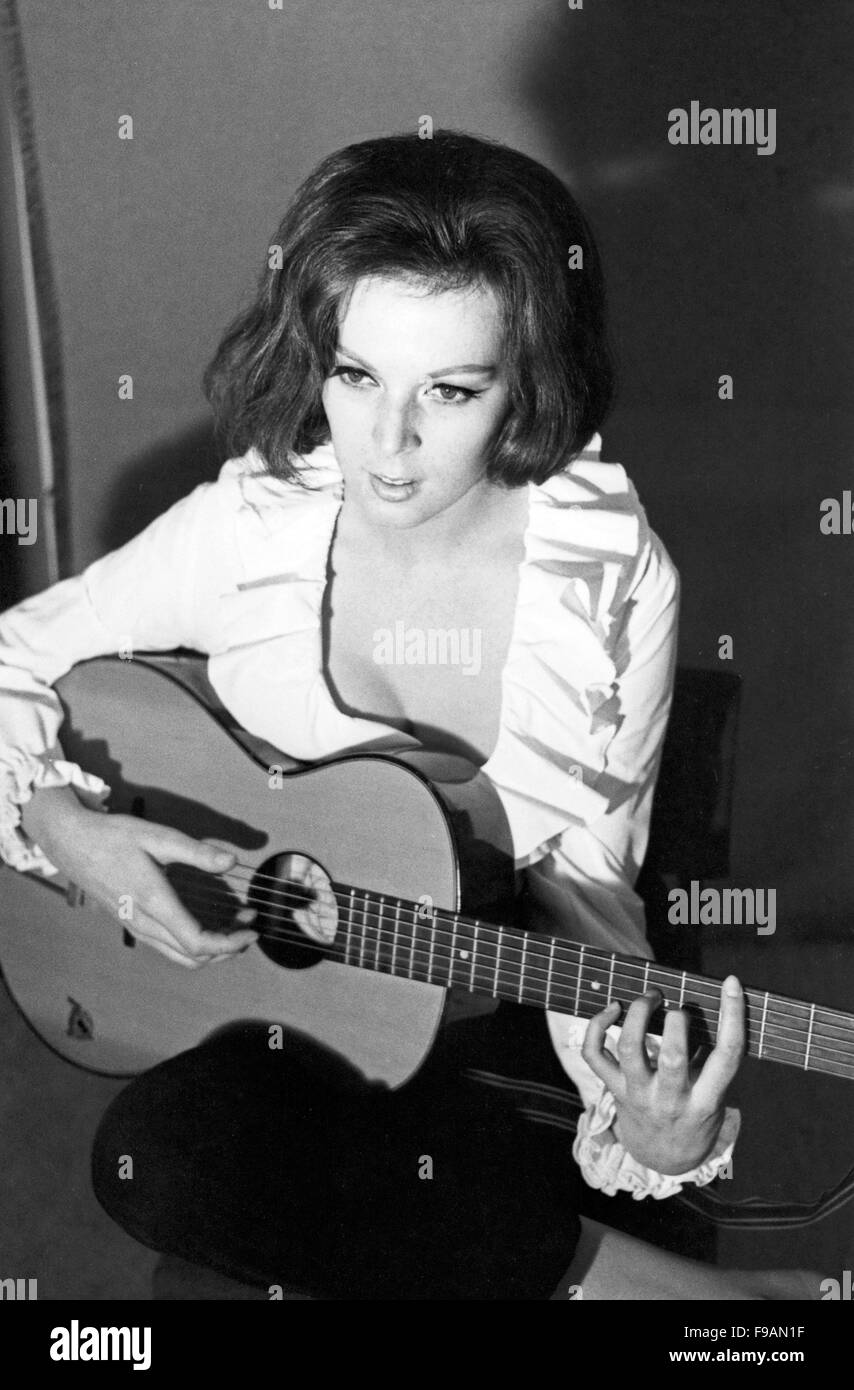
{"x":393,"y":489}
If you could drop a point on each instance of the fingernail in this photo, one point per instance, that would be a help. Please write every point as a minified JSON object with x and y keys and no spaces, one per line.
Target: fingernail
{"x":732,"y":986}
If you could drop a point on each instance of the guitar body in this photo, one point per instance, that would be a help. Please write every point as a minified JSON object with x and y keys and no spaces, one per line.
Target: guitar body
{"x":412,"y":826}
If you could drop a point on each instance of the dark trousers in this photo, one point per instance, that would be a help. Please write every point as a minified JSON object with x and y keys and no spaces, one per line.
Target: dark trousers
{"x":289,"y":1168}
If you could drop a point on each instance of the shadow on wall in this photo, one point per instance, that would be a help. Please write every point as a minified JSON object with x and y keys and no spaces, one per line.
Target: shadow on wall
{"x":721,"y":260}
{"x":158,"y":478}
{"x":702,"y":240}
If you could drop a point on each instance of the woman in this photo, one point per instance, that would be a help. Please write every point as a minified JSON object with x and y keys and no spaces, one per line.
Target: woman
{"x":411,"y":404}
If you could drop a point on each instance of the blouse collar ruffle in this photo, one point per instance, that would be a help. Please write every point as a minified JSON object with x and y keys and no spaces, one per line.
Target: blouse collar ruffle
{"x":560,"y":696}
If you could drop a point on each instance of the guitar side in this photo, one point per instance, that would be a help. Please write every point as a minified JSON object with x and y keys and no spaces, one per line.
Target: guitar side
{"x":375,"y":821}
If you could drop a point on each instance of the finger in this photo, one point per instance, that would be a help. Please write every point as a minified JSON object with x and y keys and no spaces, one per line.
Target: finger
{"x":220,"y":956}
{"x":175,"y":956}
{"x":600,"y":1061}
{"x":150,"y":933}
{"x":723,"y":1061}
{"x":170,"y":846}
{"x":162,"y":903}
{"x":631,"y":1049}
{"x":672,"y":1064}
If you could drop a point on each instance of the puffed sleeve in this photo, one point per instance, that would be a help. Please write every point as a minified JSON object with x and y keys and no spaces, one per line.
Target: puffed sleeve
{"x":154,"y":593}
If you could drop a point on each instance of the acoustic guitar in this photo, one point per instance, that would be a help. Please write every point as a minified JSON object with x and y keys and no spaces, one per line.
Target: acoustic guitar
{"x":379,"y":884}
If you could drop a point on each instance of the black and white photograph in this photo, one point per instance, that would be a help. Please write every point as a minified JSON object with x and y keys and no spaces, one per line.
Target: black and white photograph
{"x":426,"y":766}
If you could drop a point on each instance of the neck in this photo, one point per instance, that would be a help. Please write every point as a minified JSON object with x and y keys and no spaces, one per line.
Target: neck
{"x":407,"y":939}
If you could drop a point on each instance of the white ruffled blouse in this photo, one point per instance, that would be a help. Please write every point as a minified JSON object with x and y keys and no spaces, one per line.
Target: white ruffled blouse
{"x":237,"y":569}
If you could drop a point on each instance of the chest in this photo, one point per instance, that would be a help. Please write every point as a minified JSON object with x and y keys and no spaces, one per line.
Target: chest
{"x":424,"y":651}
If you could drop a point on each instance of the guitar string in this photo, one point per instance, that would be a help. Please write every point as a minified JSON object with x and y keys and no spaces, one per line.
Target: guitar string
{"x":298,"y":901}
{"x":538,"y":948}
{"x":537,"y":945}
{"x":505,"y":947}
{"x":772,"y":1050}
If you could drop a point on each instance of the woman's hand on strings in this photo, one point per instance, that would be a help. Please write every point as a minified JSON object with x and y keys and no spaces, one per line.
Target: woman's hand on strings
{"x":669,"y":1110}
{"x":117,"y":861}
{"x":157,"y":916}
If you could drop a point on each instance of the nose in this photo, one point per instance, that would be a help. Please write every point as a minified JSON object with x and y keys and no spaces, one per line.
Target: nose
{"x":395,"y":429}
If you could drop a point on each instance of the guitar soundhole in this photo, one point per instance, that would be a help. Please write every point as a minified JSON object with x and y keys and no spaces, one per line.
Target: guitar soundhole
{"x":297,"y":913}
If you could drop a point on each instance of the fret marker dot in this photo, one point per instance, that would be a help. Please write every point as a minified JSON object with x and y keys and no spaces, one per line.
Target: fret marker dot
{"x":464,"y":955}
{"x":596,"y":985}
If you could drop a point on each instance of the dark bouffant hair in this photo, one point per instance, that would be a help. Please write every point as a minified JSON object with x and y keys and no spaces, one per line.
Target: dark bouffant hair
{"x":449,"y":213}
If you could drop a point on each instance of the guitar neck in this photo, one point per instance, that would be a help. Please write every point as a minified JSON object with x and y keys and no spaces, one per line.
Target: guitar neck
{"x":407,"y":939}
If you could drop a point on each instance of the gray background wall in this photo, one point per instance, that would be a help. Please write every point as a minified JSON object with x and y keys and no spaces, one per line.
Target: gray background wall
{"x":719,"y":260}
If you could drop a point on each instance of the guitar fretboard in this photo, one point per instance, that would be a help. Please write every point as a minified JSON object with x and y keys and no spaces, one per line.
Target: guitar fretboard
{"x":403,"y":938}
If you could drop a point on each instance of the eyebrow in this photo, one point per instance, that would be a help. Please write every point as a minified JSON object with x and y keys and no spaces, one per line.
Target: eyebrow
{"x":483,"y":367}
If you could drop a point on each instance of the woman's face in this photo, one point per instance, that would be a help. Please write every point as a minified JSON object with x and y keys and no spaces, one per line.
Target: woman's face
{"x":417,"y":395}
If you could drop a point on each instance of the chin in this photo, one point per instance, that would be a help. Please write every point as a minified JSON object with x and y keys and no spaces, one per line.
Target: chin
{"x":391,"y":517}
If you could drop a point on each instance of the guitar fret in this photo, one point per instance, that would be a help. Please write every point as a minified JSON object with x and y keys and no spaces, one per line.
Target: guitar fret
{"x":364,"y":929}
{"x":473,"y":957}
{"x":682,"y":988}
{"x":578,"y":981}
{"x":611,"y":975}
{"x":665,"y":1002}
{"x":394,"y":937}
{"x":522,"y":968}
{"x":432,"y":929}
{"x":762,"y":1025}
{"x":366,"y":907}
{"x":412,"y":945}
{"x":380,"y":911}
{"x":454,"y":924}
{"x":350,"y":910}
{"x":497,"y":961}
{"x":645,"y":977}
{"x":809,"y":1038}
{"x":549,"y":971}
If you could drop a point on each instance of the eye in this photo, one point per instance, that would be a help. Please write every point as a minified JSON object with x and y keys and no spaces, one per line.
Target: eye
{"x":351,"y":376}
{"x":459,"y":395}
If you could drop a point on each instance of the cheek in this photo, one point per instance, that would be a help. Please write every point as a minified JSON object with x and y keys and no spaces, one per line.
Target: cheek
{"x":470,"y":434}
{"x":331,"y":401}
{"x":343,"y":413}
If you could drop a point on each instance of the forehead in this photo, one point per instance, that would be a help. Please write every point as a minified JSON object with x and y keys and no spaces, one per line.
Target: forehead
{"x":389,"y":312}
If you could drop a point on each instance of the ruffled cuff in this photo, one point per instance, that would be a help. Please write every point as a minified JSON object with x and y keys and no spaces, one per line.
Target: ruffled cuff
{"x":607,"y":1165}
{"x":23,"y":774}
